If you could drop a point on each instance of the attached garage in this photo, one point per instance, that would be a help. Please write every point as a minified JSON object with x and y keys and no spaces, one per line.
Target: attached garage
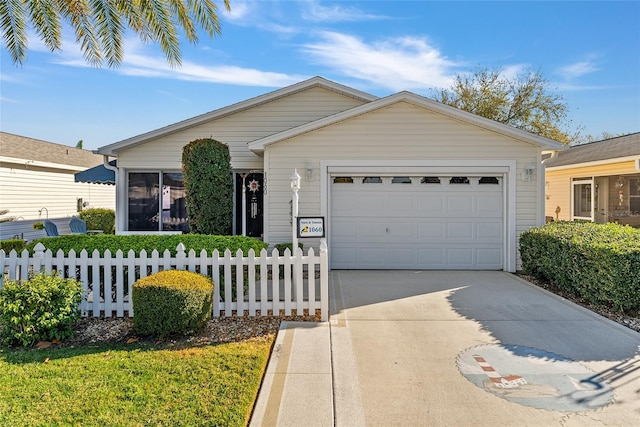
{"x":417,"y":221}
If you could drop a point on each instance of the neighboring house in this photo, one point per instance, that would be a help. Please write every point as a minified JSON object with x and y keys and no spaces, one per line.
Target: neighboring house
{"x":599,"y":182}
{"x":37,"y":182}
{"x":402,"y":181}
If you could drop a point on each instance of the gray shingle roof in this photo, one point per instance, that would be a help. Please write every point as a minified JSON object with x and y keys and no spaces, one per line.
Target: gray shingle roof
{"x":622,"y":146}
{"x":22,"y":147}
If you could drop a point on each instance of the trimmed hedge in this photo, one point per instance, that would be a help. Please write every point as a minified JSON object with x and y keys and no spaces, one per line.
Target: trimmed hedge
{"x":597,"y":262}
{"x":172,"y":302}
{"x":208,"y":182}
{"x":137,"y":243}
{"x":99,"y":219}
{"x":281,"y":247}
{"x":12,"y":244}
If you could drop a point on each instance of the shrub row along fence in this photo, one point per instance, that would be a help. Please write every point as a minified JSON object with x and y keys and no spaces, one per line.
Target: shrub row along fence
{"x":264,"y":285}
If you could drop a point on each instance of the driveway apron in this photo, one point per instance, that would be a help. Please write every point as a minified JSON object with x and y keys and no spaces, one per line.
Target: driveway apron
{"x":449,"y":348}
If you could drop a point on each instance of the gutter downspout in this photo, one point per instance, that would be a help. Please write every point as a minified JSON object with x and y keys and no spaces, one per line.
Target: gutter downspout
{"x":116,"y":170}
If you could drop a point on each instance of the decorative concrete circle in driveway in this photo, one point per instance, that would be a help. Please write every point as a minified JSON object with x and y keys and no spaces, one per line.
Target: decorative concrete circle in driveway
{"x":534,"y":378}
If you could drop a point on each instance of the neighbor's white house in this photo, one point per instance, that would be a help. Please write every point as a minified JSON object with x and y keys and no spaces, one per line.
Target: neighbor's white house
{"x":403,"y":182}
{"x":37,"y":182}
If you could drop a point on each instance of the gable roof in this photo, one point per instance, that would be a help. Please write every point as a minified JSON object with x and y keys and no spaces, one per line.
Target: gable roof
{"x":259,"y":145}
{"x":609,"y":149}
{"x":23,"y":150}
{"x":113,"y":149}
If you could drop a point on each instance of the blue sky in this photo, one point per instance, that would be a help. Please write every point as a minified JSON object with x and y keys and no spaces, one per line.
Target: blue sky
{"x":588,"y":51}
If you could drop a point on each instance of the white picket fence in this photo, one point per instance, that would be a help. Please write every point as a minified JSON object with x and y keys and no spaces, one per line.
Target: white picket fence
{"x":269,"y":285}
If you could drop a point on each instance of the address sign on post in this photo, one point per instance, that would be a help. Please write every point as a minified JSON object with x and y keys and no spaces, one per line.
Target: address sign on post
{"x":310,"y":227}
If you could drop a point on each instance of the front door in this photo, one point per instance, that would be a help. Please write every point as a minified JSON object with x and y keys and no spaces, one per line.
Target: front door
{"x":249,"y":196}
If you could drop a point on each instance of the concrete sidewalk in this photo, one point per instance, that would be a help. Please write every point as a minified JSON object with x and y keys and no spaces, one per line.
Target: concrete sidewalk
{"x":404,"y":348}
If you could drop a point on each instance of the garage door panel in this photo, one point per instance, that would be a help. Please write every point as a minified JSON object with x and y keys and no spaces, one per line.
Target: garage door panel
{"x":431,"y":257}
{"x":368,"y":229}
{"x":459,"y":206}
{"x":370,"y":204}
{"x":345,"y":227}
{"x":431,"y":230}
{"x":489,"y":205}
{"x":488,"y":257}
{"x":344,"y":256}
{"x":401,"y":205}
{"x":431,"y":204}
{"x":488,"y":230}
{"x":433,"y":226}
{"x":459,"y":257}
{"x":401,"y":257}
{"x":372,"y":256}
{"x":460,"y":230}
{"x":401,"y":229}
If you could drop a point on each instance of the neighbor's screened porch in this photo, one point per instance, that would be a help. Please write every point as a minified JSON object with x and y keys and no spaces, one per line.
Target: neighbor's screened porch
{"x":603,"y":199}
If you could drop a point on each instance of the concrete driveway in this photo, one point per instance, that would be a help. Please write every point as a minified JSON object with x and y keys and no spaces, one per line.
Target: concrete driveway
{"x":448,"y":348}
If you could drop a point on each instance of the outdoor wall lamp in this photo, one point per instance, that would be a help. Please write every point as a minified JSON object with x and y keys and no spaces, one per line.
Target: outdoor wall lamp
{"x":528,"y":172}
{"x":309,"y":169}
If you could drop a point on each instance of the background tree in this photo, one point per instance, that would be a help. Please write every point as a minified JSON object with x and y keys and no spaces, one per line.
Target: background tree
{"x":206,"y":170}
{"x":99,"y":25}
{"x":525,"y":102}
{"x":79,"y":144}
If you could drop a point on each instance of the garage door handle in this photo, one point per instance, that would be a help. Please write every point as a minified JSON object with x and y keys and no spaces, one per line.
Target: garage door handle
{"x":386,"y":229}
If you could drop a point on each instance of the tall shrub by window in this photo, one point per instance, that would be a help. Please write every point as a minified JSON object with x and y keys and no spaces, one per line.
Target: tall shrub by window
{"x":206,"y":168}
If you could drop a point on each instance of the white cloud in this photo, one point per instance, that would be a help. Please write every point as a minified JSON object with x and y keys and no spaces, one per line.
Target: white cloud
{"x":511,"y":72}
{"x":138,"y":63}
{"x":314,"y":11}
{"x":239,"y":10}
{"x":141,"y":65}
{"x":395,"y":63}
{"x":578,"y":69}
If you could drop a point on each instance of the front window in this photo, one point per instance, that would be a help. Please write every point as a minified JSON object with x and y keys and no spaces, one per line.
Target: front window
{"x":153,"y":210}
{"x":583,"y":199}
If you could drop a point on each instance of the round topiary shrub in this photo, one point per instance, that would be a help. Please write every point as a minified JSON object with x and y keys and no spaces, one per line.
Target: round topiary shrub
{"x":171,"y":302}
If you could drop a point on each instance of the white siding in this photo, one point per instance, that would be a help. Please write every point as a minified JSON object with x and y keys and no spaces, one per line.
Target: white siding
{"x":400,"y":131}
{"x":238,"y":129}
{"x":24,"y":191}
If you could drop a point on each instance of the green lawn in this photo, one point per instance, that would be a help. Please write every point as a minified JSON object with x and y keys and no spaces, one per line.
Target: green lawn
{"x":131,"y":385}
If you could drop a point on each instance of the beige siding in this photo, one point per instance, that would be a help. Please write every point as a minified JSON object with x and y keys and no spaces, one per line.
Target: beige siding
{"x":558,"y":184}
{"x":25,"y":191}
{"x":398,"y":132}
{"x":240,"y":128}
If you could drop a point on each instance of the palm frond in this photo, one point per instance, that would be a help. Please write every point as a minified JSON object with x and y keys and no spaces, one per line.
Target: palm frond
{"x":110,"y":29}
{"x":13,"y":24}
{"x":46,"y":21}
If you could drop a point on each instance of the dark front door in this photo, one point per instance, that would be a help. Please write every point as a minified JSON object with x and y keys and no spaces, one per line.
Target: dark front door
{"x":252,"y":208}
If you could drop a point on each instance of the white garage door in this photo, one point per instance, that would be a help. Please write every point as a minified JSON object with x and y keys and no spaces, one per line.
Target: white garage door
{"x":417,"y":222}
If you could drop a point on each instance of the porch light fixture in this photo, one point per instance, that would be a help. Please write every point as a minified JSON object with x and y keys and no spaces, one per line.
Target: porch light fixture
{"x":309,"y":169}
{"x":528,"y":172}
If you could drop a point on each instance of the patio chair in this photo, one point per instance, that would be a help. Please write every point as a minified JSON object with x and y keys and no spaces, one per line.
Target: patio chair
{"x":50,"y":228}
{"x":77,"y":226}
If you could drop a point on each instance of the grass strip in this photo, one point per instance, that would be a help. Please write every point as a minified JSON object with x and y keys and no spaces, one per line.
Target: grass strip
{"x":132,"y":385}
